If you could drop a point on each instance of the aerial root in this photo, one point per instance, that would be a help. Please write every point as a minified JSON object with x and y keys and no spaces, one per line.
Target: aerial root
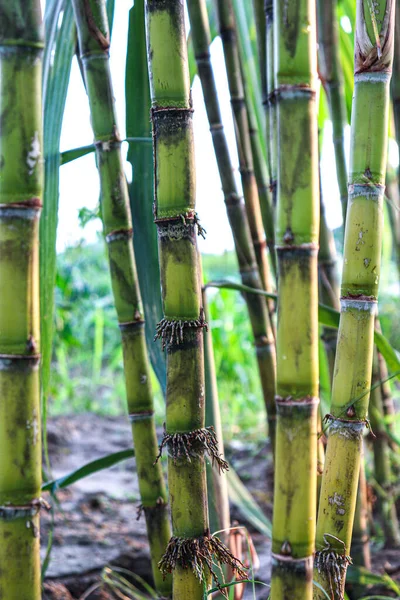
{"x":149,"y":509}
{"x":200,"y":554}
{"x":193,"y":444}
{"x":179,"y":227}
{"x":333,"y":566}
{"x":171,"y":331}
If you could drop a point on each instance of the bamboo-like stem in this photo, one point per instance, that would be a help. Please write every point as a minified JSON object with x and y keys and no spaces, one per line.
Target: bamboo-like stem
{"x":269,"y":101}
{"x":330,"y":71}
{"x":21,"y":189}
{"x":190,"y":552}
{"x":328,"y":283}
{"x":217,"y":485}
{"x":395,"y":89}
{"x":227,"y":30}
{"x":256,"y":306}
{"x":296,"y":237}
{"x":93,"y":35}
{"x":361,"y":552}
{"x":261,"y":164}
{"x":382,"y":464}
{"x":359,"y":289}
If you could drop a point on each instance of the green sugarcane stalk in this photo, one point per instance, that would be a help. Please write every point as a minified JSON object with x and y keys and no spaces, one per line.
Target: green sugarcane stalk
{"x":227,"y":30}
{"x":217,"y":485}
{"x":395,"y":89}
{"x":330,"y":71}
{"x":250,"y":276}
{"x":261,"y":170}
{"x":359,"y":289}
{"x":361,"y":552}
{"x":93,"y":35}
{"x":269,"y":103}
{"x":328,"y":283}
{"x":382,"y":463}
{"x":296,"y":235}
{"x":192,"y":549}
{"x":21,"y":189}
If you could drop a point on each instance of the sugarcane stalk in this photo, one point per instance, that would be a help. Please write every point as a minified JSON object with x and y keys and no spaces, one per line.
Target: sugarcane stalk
{"x":192,"y":549}
{"x":217,"y":485}
{"x":227,"y":31}
{"x":395,"y":89}
{"x":328,"y":282}
{"x":361,"y":552}
{"x":21,"y":189}
{"x":237,"y":217}
{"x":296,"y":236}
{"x":359,"y":290}
{"x":93,"y":35}
{"x":382,"y":463}
{"x":269,"y":102}
{"x":330,"y":71}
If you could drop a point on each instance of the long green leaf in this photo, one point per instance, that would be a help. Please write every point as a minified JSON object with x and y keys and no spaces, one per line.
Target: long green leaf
{"x":137,"y":96}
{"x":362,"y":576}
{"x":327,"y":316}
{"x":88,"y":469}
{"x":55,"y":85}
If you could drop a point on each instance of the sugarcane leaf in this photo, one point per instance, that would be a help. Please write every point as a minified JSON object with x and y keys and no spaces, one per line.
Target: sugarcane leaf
{"x":233,"y":583}
{"x":319,"y":586}
{"x":94,"y":466}
{"x":110,"y":14}
{"x":245,"y":503}
{"x":70,"y":155}
{"x":327,"y":316}
{"x":55,"y":86}
{"x":362,"y":576}
{"x":141,"y":190}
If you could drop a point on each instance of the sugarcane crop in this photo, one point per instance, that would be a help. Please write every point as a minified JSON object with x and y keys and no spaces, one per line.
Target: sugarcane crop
{"x":296,"y":238}
{"x":374,"y":35}
{"x":21,"y":189}
{"x":227,"y":31}
{"x":330,"y":72}
{"x":192,"y":548}
{"x":93,"y":35}
{"x":236,"y":212}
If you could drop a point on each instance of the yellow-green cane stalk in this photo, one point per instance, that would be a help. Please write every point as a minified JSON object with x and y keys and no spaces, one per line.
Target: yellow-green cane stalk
{"x":361,"y":553}
{"x":257,"y":308}
{"x":328,"y":283}
{"x":359,"y":290}
{"x":394,"y":207}
{"x":191,"y":550}
{"x":269,"y":102}
{"x":296,"y":236}
{"x":93,"y":35}
{"x":227,"y":30}
{"x":330,"y":71}
{"x":21,"y":189}
{"x":382,"y":463}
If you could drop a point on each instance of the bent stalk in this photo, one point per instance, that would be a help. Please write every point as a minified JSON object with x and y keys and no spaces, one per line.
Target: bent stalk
{"x":330,"y":71}
{"x":93,"y":34}
{"x":359,"y":289}
{"x":191,"y":550}
{"x":256,"y":305}
{"x":227,"y":30}
{"x":21,"y":189}
{"x":296,"y":237}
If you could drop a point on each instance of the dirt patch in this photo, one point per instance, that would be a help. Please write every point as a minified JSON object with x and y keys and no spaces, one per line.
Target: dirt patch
{"x":96,"y":518}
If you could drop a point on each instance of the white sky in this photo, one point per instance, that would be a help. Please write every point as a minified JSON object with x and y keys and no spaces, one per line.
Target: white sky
{"x":79,"y":185}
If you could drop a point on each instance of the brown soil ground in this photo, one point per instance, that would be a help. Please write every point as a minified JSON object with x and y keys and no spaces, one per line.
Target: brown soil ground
{"x":95,"y":519}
